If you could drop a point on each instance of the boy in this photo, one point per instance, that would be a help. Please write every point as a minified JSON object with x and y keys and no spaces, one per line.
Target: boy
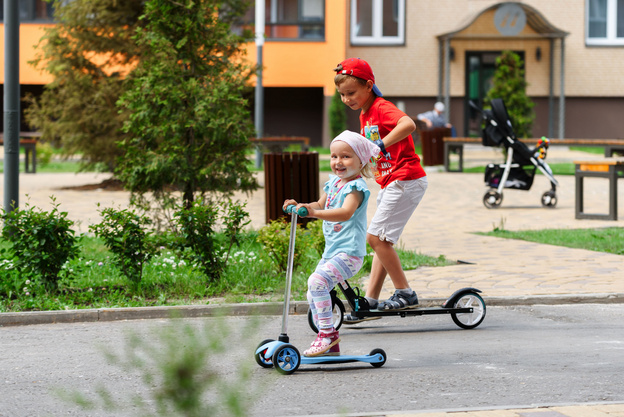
{"x":399,"y":173}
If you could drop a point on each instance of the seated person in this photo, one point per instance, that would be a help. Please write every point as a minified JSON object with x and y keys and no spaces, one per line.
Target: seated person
{"x":434,"y":118}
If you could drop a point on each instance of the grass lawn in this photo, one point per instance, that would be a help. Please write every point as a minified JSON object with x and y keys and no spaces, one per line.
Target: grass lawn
{"x":607,"y":240}
{"x":94,"y":279}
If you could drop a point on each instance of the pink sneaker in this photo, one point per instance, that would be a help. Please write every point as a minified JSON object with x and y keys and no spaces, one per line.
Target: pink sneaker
{"x":325,"y":344}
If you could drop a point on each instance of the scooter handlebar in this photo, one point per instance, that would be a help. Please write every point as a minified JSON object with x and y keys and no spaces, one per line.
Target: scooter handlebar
{"x":302,"y":212}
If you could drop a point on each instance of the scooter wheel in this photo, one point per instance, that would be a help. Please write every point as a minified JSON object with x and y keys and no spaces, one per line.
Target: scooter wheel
{"x":338,"y":312}
{"x":469,"y":320}
{"x":260,"y":359}
{"x":286,"y":359}
{"x":549,"y":199}
{"x":492,"y":199}
{"x":383,"y":355}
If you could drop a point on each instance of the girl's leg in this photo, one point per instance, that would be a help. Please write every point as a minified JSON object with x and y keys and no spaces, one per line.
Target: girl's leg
{"x":328,"y":273}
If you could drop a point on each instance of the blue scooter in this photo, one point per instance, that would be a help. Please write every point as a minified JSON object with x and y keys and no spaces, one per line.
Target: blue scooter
{"x":282,"y":355}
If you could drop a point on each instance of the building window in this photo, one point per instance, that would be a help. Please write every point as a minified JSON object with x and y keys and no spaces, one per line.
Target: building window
{"x":377,"y":22}
{"x":295,"y":19}
{"x":289,"y":20}
{"x":605,"y":22}
{"x":32,"y":10}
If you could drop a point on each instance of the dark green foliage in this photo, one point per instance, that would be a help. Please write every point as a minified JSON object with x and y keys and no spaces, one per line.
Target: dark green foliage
{"x":124,"y":234}
{"x":235,"y":219}
{"x":197,"y":228}
{"x":199,"y":240}
{"x":88,"y":53}
{"x":40,"y":245}
{"x":337,"y":116}
{"x":510,"y":85}
{"x":275,"y":238}
{"x":189,"y":125}
{"x":317,"y":238}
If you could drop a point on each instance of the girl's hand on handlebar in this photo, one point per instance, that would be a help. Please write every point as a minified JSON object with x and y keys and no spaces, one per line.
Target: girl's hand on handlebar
{"x":288,"y":203}
{"x":311,"y":210}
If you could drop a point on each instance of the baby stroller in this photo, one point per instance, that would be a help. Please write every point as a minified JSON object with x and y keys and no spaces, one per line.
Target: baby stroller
{"x":519,"y":169}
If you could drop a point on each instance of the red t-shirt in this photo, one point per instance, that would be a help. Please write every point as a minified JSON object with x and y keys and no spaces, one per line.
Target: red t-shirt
{"x":404,"y":164}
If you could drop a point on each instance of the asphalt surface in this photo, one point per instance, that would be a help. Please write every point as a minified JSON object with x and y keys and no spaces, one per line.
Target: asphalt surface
{"x":508,"y":272}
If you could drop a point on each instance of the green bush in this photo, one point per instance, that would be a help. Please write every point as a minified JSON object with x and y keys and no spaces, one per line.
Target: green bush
{"x":198,"y":243}
{"x":40,"y":244}
{"x":124,"y":234}
{"x":316,"y":236}
{"x":275,"y":238}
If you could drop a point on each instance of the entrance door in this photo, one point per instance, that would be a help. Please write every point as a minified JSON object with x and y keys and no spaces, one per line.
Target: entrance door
{"x":480,"y":68}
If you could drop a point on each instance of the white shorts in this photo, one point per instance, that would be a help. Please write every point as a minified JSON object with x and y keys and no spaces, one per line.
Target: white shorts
{"x":395,"y":205}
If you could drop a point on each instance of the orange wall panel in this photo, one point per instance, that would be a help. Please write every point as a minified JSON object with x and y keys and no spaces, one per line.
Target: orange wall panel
{"x":306,"y":64}
{"x":30,"y":34}
{"x":286,"y":63}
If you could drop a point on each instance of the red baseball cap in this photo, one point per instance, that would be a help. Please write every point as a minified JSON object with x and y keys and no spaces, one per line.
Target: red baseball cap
{"x":358,"y":68}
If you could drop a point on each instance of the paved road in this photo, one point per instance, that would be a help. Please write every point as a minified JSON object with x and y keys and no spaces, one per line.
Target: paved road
{"x":524,"y":356}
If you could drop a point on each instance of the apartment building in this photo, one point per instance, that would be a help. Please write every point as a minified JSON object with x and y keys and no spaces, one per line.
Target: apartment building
{"x":422,"y":51}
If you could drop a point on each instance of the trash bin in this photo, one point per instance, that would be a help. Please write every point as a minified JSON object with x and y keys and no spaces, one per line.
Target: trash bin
{"x":290,"y":175}
{"x":432,"y":144}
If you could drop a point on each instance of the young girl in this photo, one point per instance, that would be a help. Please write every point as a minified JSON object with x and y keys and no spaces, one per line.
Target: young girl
{"x":342,"y":207}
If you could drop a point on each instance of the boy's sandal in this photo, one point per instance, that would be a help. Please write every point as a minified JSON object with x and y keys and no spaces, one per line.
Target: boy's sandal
{"x":399,"y":301}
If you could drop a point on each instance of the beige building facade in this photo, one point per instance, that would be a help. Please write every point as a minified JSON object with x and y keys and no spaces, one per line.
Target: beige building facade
{"x":572,"y":49}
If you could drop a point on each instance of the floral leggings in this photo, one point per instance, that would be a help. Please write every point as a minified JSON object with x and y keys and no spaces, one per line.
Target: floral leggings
{"x":328,"y":273}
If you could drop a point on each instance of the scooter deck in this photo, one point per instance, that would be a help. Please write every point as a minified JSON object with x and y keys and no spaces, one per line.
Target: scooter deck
{"x":320,"y":360}
{"x":416,"y":311}
{"x":269,"y":349}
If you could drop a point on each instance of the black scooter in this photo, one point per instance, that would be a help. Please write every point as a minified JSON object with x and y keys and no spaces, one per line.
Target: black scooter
{"x":465,"y":306}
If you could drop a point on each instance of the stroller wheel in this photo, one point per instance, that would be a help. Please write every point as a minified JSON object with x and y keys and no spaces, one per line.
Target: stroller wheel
{"x":549,"y":199}
{"x":492,"y":199}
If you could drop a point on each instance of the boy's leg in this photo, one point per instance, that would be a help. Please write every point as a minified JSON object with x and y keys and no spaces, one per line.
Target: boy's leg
{"x":385,"y":262}
{"x":395,"y":205}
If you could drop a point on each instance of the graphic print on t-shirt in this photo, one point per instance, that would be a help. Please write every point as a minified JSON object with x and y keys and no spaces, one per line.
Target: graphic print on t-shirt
{"x":371,"y":132}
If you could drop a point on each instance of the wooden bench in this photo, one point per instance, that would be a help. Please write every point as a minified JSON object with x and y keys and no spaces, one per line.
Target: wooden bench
{"x":610,"y":168}
{"x":456,"y":145}
{"x":28,"y":141}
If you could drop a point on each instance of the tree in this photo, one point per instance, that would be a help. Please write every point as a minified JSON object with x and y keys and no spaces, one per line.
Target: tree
{"x":510,"y":85}
{"x":189,"y":124}
{"x":337,"y":116}
{"x":89,"y":53}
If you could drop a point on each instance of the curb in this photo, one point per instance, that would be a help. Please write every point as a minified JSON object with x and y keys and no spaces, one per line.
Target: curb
{"x":265,"y":309}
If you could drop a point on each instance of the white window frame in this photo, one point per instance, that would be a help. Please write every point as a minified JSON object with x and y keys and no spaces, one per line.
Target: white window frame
{"x":611,"y":39}
{"x":377,"y":38}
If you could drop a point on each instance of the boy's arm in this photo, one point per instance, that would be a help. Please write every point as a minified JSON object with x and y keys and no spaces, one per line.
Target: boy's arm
{"x":405,"y":126}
